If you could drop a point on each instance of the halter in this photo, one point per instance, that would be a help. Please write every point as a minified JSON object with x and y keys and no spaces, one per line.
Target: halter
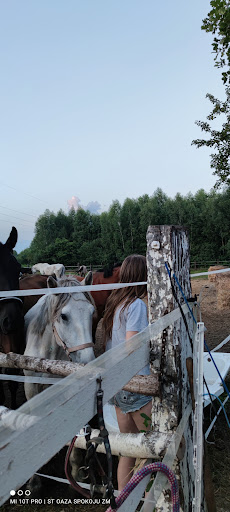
{"x":12,"y":298}
{"x":71,"y":349}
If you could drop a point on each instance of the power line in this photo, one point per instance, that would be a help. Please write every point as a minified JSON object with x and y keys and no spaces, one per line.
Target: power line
{"x":13,"y":217}
{"x":24,"y":213}
{"x":18,"y":223}
{"x":22,"y":192}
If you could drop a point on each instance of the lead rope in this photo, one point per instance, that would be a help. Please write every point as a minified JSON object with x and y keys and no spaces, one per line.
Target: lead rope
{"x":139,"y":475}
{"x":69,"y":476}
{"x":103,"y":437}
{"x":91,"y":456}
{"x":88,"y":469}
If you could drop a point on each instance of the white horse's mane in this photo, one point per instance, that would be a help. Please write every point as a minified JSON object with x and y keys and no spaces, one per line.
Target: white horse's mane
{"x":53,"y":304}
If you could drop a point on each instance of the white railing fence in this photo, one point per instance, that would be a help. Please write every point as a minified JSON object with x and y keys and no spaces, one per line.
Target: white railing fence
{"x":61,"y":410}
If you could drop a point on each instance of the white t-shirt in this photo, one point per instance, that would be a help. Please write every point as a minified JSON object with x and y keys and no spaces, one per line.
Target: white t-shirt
{"x":132,"y":318}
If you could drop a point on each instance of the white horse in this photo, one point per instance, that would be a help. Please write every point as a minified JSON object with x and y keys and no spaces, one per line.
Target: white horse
{"x":60,"y":327}
{"x":39,"y":267}
{"x":48,"y":270}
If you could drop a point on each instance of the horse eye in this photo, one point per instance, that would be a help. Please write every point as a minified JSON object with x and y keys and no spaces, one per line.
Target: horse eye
{"x":64,"y":317}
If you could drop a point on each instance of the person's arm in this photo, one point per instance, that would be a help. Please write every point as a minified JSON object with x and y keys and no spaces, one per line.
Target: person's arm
{"x":136,"y":318}
{"x":129,"y":334}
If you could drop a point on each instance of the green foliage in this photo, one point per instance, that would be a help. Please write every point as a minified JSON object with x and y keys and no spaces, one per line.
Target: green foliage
{"x":85,"y":238}
{"x":24,"y":258}
{"x":218,"y":23}
{"x":219,"y":140}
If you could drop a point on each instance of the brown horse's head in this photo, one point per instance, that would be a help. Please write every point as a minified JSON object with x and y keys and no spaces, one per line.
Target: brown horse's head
{"x":11,"y":314}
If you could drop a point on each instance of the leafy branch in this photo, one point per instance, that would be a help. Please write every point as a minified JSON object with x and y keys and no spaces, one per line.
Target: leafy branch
{"x":218,"y":140}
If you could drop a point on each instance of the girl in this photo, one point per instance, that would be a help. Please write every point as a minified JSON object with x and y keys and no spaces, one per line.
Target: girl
{"x":126,"y":315}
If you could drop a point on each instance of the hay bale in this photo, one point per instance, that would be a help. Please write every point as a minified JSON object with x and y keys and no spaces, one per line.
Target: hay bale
{"x":223,"y":292}
{"x":214,"y":277}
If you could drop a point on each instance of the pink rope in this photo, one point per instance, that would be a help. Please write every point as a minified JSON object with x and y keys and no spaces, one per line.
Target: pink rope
{"x":139,"y":475}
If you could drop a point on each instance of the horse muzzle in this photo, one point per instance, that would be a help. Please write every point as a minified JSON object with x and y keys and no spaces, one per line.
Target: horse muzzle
{"x":69,"y":350}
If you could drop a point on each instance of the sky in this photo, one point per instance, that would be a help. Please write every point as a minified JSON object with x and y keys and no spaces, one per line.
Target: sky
{"x":98,"y":102}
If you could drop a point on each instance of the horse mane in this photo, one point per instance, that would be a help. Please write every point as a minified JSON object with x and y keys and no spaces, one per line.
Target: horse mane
{"x":108,"y":270}
{"x":54,"y":303}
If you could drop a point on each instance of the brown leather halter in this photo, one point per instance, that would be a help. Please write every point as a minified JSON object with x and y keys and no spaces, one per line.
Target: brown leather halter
{"x":67,"y":349}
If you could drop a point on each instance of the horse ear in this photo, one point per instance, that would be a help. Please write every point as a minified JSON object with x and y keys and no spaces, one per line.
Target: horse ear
{"x":12,"y":240}
{"x":51,"y":282}
{"x":88,"y":279}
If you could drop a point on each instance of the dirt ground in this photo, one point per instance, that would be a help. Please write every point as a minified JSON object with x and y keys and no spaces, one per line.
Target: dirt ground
{"x":217,"y":323}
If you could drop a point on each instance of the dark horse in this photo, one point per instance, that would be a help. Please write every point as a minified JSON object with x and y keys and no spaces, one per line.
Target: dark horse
{"x":32,"y":282}
{"x":11,"y":308}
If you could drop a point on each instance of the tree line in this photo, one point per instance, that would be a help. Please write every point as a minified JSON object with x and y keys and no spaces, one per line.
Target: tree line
{"x":85,"y":238}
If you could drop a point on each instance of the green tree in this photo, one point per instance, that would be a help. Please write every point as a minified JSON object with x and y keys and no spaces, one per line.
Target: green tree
{"x":108,"y":251}
{"x":82,"y":227}
{"x":130,"y":222}
{"x":25,"y":258}
{"x":64,"y":251}
{"x":219,"y":140}
{"x":117,"y":235}
{"x":64,"y":225}
{"x":218,"y":22}
{"x":153,"y":210}
{"x":91,"y":252}
{"x":45,"y":234}
{"x":109,"y":237}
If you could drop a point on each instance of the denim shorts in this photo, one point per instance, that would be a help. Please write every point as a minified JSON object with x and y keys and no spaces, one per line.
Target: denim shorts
{"x":129,"y":402}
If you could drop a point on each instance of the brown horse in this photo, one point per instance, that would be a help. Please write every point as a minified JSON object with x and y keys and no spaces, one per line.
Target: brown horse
{"x":107,"y":275}
{"x":11,"y":312}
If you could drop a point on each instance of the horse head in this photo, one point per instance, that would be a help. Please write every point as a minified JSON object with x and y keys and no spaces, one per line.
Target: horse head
{"x":11,"y":308}
{"x":11,"y":314}
{"x":72,"y":320}
{"x":59,"y":326}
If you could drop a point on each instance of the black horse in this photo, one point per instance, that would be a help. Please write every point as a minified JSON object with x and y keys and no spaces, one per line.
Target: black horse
{"x":11,"y":308}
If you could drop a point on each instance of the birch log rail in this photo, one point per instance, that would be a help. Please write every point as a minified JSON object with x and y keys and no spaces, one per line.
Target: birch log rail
{"x":143,"y":384}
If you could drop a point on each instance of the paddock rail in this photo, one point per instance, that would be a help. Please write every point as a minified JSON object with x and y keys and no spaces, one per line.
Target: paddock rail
{"x":65,"y":404}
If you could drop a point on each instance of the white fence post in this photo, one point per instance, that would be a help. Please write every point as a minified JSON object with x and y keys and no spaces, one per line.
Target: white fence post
{"x":198,"y":415}
{"x":169,"y":350}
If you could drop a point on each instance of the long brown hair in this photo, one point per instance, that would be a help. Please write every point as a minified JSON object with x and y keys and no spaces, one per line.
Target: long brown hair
{"x":133,"y":269}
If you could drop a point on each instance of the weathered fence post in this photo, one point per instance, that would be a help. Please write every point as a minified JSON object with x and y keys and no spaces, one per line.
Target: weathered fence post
{"x":169,"y":351}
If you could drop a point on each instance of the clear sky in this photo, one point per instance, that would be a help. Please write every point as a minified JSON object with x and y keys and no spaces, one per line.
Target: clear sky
{"x":98,"y":101}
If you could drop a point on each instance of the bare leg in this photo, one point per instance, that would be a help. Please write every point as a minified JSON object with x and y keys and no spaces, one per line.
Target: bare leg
{"x":139,"y":421}
{"x":131,"y":422}
{"x":126,"y":464}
